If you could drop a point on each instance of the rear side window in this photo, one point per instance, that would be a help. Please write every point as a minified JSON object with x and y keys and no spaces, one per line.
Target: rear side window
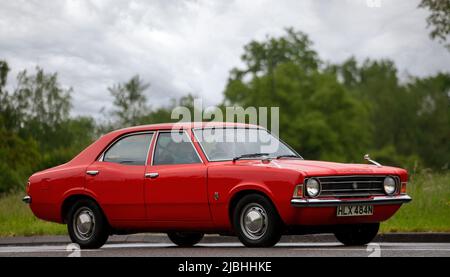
{"x":170,"y":150}
{"x":130,"y":150}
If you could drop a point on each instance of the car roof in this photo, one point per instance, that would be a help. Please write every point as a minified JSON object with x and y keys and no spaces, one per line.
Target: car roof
{"x":182,"y":125}
{"x":92,"y":151}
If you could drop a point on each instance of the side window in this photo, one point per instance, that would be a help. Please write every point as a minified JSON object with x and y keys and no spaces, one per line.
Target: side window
{"x":176,"y":149}
{"x":130,"y":150}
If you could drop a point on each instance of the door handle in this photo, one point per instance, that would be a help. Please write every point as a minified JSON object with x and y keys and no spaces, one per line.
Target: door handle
{"x":151,"y":175}
{"x":92,"y":172}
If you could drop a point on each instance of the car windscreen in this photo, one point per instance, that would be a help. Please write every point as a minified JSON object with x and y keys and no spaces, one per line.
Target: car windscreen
{"x":221,"y":144}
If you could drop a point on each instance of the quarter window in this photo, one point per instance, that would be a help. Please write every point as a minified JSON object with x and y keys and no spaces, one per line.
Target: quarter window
{"x":174,"y":148}
{"x":130,"y":150}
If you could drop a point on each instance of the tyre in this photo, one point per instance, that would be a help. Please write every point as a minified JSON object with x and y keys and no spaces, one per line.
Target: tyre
{"x":87,"y":225}
{"x":256,"y":221}
{"x":185,"y":239}
{"x":360,"y":234}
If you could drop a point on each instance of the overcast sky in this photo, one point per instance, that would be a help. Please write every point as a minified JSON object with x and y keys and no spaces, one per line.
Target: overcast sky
{"x":190,"y":46}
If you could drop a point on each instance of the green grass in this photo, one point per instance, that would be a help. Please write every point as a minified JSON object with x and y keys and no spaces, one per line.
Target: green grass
{"x":428,"y":212}
{"x":16,"y":219}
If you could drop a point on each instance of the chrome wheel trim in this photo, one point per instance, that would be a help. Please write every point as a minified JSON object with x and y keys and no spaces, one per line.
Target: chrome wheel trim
{"x":84,"y":223}
{"x":254,"y":221}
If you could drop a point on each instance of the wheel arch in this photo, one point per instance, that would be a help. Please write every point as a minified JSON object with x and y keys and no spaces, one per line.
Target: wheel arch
{"x":238,"y":194}
{"x":70,"y":200}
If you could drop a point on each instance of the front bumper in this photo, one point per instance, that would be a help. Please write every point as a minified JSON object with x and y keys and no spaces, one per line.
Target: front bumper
{"x":376,"y":200}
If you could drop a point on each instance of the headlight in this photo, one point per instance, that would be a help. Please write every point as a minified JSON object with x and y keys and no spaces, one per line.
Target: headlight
{"x":313,"y":187}
{"x":389,"y":185}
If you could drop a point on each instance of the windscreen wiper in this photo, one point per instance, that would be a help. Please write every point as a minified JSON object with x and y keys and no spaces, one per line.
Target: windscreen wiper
{"x":288,"y":156}
{"x":250,"y":156}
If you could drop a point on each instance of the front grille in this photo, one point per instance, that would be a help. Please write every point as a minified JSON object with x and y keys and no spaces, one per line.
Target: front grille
{"x":352,"y":186}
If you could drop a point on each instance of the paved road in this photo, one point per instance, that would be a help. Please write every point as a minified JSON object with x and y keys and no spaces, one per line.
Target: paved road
{"x":231,"y":249}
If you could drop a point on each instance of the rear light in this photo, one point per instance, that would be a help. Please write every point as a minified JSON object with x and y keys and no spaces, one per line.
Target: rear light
{"x":298,"y":191}
{"x":403,"y":188}
{"x":28,"y":187}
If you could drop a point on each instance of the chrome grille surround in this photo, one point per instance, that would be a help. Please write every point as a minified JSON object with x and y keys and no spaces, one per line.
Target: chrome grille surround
{"x":352,"y":186}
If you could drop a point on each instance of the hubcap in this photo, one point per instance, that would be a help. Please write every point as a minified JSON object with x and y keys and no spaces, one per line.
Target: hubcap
{"x":84,"y":223}
{"x":254,"y":221}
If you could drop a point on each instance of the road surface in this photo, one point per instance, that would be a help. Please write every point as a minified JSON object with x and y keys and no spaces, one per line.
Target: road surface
{"x":230,"y":249}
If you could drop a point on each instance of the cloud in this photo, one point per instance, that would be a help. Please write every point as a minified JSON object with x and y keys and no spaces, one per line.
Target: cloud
{"x":190,"y":46}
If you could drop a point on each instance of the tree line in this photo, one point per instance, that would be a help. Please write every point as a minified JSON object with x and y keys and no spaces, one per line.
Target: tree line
{"x":328,"y":111}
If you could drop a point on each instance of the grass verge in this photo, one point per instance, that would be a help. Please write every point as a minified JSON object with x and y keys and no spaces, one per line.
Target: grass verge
{"x":429,"y":210}
{"x":16,"y":219}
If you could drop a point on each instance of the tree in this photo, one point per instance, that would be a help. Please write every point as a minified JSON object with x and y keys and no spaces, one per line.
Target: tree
{"x":71,"y":136}
{"x":261,"y":58}
{"x":409,"y":120}
{"x":129,"y":102}
{"x":318,"y":115}
{"x":431,"y":120}
{"x":18,"y":156}
{"x":4,"y":69}
{"x":41,"y":105}
{"x":164,"y":114}
{"x":8,"y":115}
{"x":439,"y":19}
{"x":36,"y":129}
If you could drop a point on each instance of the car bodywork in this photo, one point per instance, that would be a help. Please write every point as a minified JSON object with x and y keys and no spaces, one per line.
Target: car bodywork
{"x":198,"y":196}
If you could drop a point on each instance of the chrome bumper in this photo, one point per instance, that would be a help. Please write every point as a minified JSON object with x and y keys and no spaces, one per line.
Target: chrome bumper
{"x":376,"y":200}
{"x":27,"y":199}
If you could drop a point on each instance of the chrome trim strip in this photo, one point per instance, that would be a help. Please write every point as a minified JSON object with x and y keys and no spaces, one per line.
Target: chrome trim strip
{"x":377,"y":200}
{"x":27,"y":199}
{"x":170,"y":131}
{"x":154,"y":148}
{"x":361,"y":194}
{"x":340,"y":182}
{"x":344,"y":190}
{"x":346,"y":176}
{"x":229,"y":127}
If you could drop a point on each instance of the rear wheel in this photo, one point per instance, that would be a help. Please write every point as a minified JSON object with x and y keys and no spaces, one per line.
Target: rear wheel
{"x":87,"y":225}
{"x":185,"y":239}
{"x":256,"y":221}
{"x":360,"y":234}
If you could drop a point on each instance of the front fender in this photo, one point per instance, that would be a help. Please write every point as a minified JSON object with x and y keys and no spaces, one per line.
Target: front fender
{"x":261,"y":188}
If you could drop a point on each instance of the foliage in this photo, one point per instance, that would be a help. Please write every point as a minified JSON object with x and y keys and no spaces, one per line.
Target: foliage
{"x":18,"y":158}
{"x":439,"y":19}
{"x":340,"y":111}
{"x":318,"y":116}
{"x":36,"y":130}
{"x":410,"y":119}
{"x":129,"y":101}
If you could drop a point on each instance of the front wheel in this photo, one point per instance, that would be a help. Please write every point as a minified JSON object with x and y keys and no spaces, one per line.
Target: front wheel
{"x":87,"y":225}
{"x":256,"y":221}
{"x":185,"y":239}
{"x":360,"y":234}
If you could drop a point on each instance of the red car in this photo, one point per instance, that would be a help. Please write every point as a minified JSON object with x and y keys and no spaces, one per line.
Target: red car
{"x":194,"y":178}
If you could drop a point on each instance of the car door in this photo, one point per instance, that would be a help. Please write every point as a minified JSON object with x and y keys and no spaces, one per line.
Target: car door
{"x":175,"y":183}
{"x":117,"y":178}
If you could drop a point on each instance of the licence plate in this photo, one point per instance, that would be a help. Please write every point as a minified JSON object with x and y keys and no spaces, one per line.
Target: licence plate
{"x":354,"y":210}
